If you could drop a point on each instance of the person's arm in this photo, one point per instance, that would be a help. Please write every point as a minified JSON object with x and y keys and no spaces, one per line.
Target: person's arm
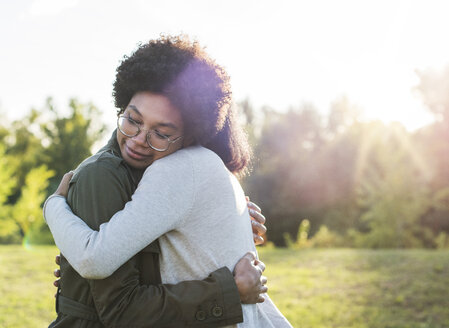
{"x":162,"y":201}
{"x":120,"y":300}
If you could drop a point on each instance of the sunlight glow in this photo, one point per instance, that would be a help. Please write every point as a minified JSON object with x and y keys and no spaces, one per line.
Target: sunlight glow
{"x":278,"y":54}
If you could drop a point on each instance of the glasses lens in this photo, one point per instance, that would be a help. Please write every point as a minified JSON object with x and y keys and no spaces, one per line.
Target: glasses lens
{"x":157,"y":141}
{"x":127,"y":127}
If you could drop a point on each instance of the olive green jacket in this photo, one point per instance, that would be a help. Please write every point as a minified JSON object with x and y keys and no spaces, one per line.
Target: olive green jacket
{"x":133,"y":296}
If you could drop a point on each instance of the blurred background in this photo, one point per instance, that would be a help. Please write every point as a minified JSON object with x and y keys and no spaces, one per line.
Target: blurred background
{"x":346,"y":104}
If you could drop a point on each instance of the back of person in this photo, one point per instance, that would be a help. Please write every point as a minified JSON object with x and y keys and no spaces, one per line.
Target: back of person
{"x":217,"y":232}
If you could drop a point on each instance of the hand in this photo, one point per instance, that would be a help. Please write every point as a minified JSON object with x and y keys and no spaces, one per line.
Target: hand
{"x":249,"y":280}
{"x":63,"y":187}
{"x":257,"y":222}
{"x":57,"y":272}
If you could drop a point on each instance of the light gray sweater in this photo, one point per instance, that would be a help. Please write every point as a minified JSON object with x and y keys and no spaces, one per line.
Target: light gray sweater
{"x":191,"y":203}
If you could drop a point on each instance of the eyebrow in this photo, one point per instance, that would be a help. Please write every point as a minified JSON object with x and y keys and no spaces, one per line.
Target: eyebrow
{"x":134,"y":108}
{"x":161,"y":124}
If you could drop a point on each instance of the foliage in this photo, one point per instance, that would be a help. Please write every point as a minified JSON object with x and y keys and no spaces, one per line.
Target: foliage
{"x":302,"y":240}
{"x":442,"y":240}
{"x":283,"y":180}
{"x":27,"y":211}
{"x":326,"y":238}
{"x":303,"y":234}
{"x":358,"y":183}
{"x":368,"y":184}
{"x":392,"y":200}
{"x":70,"y":139}
{"x":36,"y":151}
{"x":8,"y":228}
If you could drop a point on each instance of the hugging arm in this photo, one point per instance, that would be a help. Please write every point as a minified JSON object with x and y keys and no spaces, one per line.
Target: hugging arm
{"x":155,"y":209}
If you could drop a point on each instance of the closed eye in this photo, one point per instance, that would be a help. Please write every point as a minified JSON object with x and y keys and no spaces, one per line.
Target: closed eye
{"x":134,"y":121}
{"x":161,"y":135}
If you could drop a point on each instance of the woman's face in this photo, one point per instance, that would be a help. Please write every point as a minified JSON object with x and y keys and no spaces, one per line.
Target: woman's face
{"x":155,"y":113}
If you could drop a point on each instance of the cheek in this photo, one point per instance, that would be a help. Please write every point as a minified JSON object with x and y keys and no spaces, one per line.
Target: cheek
{"x":120,"y":138}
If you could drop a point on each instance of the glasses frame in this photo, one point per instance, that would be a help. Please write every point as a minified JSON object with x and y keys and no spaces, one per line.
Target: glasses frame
{"x":148,"y":135}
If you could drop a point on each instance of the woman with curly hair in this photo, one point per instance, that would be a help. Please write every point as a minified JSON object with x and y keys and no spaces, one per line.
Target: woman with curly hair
{"x":176,"y":120}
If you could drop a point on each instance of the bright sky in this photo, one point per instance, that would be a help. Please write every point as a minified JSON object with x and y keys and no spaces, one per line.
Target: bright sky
{"x":279,"y":53}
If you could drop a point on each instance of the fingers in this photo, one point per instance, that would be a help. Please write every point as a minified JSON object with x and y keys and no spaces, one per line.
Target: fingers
{"x":260,"y":265}
{"x":66,"y":178}
{"x":263,"y":288}
{"x":251,"y":256}
{"x":253,"y":206}
{"x":258,"y":240}
{"x":63,"y":187}
{"x":257,"y":216}
{"x":57,"y":272}
{"x":258,"y":228}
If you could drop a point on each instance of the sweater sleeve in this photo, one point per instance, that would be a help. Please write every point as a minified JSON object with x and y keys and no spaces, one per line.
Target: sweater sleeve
{"x":162,"y":202}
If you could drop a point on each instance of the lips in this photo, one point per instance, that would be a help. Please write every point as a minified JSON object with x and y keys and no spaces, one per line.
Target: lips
{"x":135,"y":154}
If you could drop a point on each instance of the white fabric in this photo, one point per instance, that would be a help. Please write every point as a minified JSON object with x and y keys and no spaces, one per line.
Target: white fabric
{"x":191,"y":203}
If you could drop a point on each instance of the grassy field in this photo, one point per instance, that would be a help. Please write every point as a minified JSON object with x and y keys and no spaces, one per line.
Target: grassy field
{"x":313,"y":288}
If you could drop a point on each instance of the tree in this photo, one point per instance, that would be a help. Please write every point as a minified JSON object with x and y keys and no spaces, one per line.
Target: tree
{"x":24,"y":147}
{"x":69,"y":139}
{"x":27,"y":211}
{"x":285,"y":178}
{"x":392,"y":192}
{"x":433,"y":142}
{"x":36,"y":151}
{"x":8,"y":228}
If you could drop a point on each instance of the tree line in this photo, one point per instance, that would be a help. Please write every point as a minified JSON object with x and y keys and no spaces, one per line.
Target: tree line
{"x":321,"y":179}
{"x":335,"y":180}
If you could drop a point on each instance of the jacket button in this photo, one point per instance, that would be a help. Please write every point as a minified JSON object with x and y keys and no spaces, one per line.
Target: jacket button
{"x":200,"y":315}
{"x":217,"y":311}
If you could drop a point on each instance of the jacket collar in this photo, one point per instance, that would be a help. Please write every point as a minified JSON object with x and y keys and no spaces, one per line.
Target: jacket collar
{"x":113,"y":147}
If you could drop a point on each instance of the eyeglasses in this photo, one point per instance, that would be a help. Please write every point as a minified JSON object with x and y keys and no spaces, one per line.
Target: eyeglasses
{"x":155,"y":139}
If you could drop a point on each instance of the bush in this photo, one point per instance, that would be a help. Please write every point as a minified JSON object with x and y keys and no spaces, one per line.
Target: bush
{"x":442,"y":240}
{"x":326,"y":238}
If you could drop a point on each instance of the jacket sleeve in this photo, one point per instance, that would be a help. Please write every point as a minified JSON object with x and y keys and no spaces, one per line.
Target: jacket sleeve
{"x":121,"y":301}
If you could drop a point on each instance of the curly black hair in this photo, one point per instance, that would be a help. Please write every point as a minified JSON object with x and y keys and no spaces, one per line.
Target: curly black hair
{"x":181,"y":70}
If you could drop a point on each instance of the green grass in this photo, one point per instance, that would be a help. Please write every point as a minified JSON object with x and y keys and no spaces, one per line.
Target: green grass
{"x":313,"y":288}
{"x":26,"y":286}
{"x":360,"y":288}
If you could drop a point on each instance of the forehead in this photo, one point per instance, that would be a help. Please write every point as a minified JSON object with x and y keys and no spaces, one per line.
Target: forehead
{"x":155,"y":109}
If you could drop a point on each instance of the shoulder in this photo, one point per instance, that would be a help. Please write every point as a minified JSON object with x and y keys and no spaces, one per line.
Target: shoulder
{"x":188,"y":160}
{"x":191,"y":155}
{"x":99,"y":188}
{"x":101,"y":166}
{"x":179,"y":167}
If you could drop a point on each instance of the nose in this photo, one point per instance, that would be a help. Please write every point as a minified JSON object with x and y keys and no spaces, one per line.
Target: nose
{"x":141,"y":139}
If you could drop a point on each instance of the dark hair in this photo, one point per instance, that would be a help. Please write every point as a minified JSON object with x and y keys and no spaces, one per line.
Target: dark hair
{"x":182,"y":71}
